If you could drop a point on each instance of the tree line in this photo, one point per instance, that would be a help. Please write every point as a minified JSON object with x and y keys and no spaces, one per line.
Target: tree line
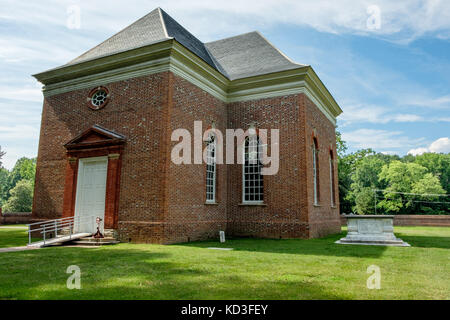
{"x":376,"y":183}
{"x":17,"y":185}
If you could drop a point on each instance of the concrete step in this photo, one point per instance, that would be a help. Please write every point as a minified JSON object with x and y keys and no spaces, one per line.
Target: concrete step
{"x":95,"y":242}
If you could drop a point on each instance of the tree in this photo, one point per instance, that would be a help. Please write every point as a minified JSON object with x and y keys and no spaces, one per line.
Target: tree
{"x":2,"y":153}
{"x":346,"y":166}
{"x":21,"y":199}
{"x":3,"y":185}
{"x":439,"y":165}
{"x":401,"y":178}
{"x":341,"y":145}
{"x":364,"y":181}
{"x":364,"y":201}
{"x":429,"y":203}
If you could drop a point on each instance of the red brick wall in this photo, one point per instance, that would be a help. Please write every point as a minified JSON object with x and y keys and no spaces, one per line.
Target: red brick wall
{"x":161,"y":202}
{"x":285,"y":213}
{"x":15,"y":217}
{"x":138,"y":110}
{"x":289,"y":210}
{"x":188,"y":217}
{"x":323,"y":218}
{"x":416,"y":220}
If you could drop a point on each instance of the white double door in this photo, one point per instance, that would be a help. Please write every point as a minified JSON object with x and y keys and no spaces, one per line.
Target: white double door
{"x":91,"y":193}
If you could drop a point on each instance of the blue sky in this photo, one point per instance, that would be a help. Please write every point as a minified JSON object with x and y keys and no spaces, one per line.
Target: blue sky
{"x":387,"y":63}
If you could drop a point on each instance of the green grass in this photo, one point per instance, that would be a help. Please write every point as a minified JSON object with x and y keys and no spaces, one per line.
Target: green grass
{"x":12,"y":236}
{"x":255,"y":269}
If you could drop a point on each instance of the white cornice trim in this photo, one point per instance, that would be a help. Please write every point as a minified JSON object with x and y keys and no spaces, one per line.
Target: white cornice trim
{"x":188,"y":66}
{"x":102,"y":78}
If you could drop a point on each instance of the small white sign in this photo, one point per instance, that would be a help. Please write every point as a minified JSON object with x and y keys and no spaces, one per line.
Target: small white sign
{"x":222,"y":236}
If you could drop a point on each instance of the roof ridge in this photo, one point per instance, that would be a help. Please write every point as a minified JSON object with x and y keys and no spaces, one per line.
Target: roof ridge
{"x":163,"y":22}
{"x":118,"y":33}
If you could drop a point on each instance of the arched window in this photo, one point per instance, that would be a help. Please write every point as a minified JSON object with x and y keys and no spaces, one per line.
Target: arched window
{"x":332,"y":183}
{"x":316,"y":171}
{"x":253,"y":186}
{"x":211,"y":169}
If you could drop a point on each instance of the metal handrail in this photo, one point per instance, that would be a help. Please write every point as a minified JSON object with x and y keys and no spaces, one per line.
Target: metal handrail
{"x":53,"y":222}
{"x":52,"y":226}
{"x":31,"y":224}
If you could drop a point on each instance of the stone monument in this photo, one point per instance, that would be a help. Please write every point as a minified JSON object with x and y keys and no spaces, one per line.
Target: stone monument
{"x":371,"y":230}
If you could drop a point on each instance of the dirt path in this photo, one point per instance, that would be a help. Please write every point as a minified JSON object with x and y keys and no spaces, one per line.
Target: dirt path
{"x":14,"y":249}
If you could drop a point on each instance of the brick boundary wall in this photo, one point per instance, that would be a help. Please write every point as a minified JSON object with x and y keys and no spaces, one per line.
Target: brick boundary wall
{"x":417,"y":220}
{"x":15,"y":217}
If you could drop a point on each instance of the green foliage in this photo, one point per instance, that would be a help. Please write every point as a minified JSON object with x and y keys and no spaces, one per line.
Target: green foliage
{"x":346,"y":166}
{"x":408,"y":177}
{"x":364,"y":201}
{"x":2,"y":153}
{"x":3,"y":185}
{"x":439,"y":165}
{"x":364,"y":182}
{"x":24,"y":169}
{"x":341,"y":145}
{"x":364,"y":171}
{"x":21,"y":199}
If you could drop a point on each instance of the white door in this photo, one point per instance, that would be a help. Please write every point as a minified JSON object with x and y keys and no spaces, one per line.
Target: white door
{"x":91,"y":192}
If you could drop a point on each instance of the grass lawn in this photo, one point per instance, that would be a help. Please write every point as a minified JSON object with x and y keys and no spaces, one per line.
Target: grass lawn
{"x":255,"y":269}
{"x":14,"y":235}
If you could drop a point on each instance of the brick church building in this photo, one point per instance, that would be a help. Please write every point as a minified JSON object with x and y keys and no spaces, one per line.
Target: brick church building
{"x":105,"y":142}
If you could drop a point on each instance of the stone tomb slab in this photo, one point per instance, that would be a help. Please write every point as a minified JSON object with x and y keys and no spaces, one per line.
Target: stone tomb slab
{"x":371,"y":230}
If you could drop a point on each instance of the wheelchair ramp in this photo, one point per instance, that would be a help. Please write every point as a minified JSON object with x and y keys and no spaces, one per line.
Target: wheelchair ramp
{"x":58,"y":240}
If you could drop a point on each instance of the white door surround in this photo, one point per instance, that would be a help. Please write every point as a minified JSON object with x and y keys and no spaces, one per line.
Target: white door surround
{"x":90,"y":193}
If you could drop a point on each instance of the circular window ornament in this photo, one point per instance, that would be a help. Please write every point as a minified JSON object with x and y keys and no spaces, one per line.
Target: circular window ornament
{"x":98,"y":98}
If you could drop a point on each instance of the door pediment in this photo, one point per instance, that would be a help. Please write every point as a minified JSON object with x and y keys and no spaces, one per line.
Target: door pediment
{"x":95,"y":137}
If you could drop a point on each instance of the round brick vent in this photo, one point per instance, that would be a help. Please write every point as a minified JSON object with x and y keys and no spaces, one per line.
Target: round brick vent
{"x":98,"y":98}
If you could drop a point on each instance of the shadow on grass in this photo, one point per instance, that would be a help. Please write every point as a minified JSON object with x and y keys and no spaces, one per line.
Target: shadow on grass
{"x":127,"y":273}
{"x":426,"y":241}
{"x":323,"y":246}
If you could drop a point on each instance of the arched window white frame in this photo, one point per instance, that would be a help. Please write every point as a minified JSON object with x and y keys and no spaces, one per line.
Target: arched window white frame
{"x":211,"y":169}
{"x":332,"y":181}
{"x":316,"y":171}
{"x":252,"y":179}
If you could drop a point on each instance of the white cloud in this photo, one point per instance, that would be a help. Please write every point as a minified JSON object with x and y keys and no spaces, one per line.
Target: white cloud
{"x":418,"y":151}
{"x":406,"y":20}
{"x":21,"y":93}
{"x":442,"y":102}
{"x":379,"y":139}
{"x":366,"y":113}
{"x":441,"y":145}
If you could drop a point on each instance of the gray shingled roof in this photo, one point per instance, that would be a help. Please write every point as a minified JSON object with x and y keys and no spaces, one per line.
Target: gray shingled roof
{"x":248,"y":55}
{"x":149,"y":29}
{"x":237,"y":57}
{"x":154,"y":27}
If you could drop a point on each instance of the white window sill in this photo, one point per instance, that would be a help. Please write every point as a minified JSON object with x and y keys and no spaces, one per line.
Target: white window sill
{"x":211,"y":203}
{"x":261,"y":204}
